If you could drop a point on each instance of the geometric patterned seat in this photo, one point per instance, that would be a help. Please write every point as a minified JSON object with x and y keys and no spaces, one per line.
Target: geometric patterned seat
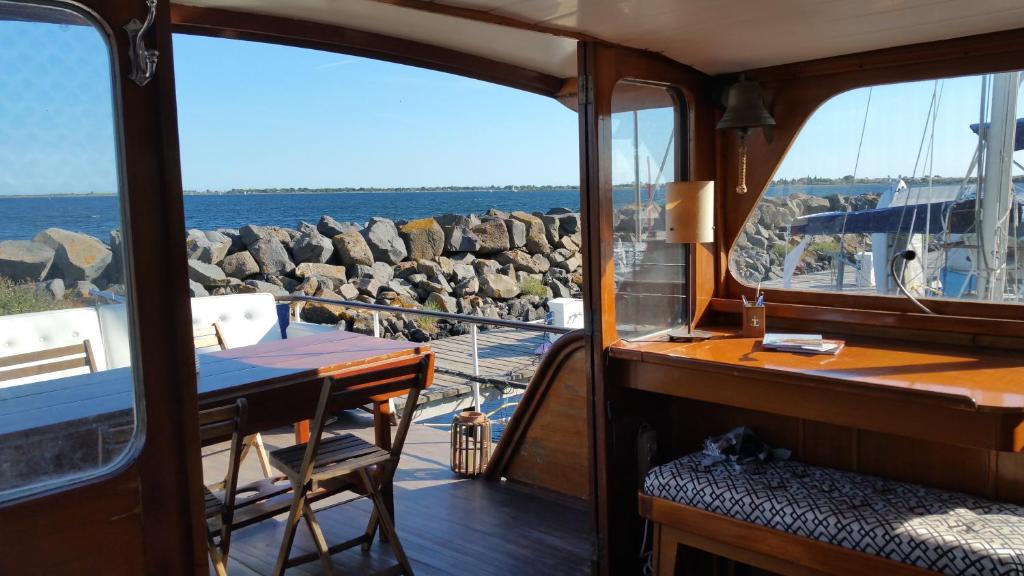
{"x":939,"y":530}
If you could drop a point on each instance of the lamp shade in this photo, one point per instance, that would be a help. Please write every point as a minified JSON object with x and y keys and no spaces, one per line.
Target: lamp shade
{"x":690,"y":212}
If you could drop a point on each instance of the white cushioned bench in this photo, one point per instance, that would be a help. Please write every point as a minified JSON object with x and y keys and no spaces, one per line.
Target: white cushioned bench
{"x":937,"y":530}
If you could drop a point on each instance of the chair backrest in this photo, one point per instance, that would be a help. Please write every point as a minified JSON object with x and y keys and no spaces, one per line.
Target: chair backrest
{"x":245,"y":319}
{"x":216,"y":424}
{"x":209,"y":338}
{"x":49,"y":361}
{"x":358,"y":386}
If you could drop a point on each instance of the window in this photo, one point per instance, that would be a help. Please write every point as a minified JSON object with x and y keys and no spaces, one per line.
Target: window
{"x":651,"y":284}
{"x":933,"y":167}
{"x":63,"y":293}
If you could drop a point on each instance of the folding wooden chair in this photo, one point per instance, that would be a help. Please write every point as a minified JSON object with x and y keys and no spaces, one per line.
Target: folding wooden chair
{"x":214,"y":424}
{"x":211,"y":338}
{"x":48,"y":361}
{"x":324,"y":467}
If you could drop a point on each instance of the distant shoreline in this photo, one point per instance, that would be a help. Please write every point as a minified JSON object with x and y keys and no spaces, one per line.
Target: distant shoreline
{"x":254,"y":191}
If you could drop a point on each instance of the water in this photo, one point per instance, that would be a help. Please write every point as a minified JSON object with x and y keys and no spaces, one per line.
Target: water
{"x":23,"y":218}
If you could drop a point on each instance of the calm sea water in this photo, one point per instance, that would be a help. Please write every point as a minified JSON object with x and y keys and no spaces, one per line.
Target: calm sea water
{"x":22,"y":218}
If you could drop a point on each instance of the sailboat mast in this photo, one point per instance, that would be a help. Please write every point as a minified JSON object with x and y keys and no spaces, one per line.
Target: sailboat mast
{"x":996,"y":187}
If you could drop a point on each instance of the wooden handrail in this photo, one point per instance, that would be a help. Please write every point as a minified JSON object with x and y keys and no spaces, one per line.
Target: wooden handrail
{"x":533,"y":399}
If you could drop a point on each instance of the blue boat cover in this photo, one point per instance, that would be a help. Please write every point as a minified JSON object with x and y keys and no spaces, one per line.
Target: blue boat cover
{"x":1018,"y":137}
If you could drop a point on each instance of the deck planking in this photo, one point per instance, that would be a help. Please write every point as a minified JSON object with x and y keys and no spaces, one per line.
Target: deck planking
{"x":447,"y":525}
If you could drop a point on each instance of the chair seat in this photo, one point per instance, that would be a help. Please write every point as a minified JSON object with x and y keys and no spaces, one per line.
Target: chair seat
{"x":337,"y":456}
{"x":212,"y":503}
{"x":939,"y":530}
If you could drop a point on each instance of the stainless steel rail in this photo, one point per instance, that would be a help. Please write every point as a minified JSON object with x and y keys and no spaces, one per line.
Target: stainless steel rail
{"x":473,"y":321}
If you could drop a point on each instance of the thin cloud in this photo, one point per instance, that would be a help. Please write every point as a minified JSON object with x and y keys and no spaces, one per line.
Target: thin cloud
{"x":344,"y":62}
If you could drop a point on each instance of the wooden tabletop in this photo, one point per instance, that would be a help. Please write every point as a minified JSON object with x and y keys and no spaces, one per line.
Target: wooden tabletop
{"x":968,"y":378}
{"x":223,"y":375}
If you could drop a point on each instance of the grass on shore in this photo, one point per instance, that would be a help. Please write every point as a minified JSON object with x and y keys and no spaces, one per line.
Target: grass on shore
{"x":24,"y":298}
{"x":531,"y":286}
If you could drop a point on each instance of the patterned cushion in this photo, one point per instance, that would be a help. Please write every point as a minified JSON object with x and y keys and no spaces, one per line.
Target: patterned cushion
{"x":944,"y":531}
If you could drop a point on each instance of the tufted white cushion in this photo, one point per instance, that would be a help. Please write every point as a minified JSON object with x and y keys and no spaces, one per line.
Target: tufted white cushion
{"x":245,"y":319}
{"x":114,"y":327}
{"x":24,"y":333}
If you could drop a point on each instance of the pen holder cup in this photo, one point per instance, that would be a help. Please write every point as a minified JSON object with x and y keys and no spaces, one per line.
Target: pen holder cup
{"x":753,"y":321}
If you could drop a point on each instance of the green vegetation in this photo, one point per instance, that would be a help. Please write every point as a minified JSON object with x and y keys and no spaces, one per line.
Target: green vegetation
{"x":779,"y":250}
{"x":23,"y":298}
{"x":428,"y":323}
{"x":824,"y":246}
{"x":531,"y":286}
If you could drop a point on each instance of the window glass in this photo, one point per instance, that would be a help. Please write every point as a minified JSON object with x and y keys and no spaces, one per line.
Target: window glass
{"x":650,"y":274}
{"x":933,"y":167}
{"x":66,"y":393}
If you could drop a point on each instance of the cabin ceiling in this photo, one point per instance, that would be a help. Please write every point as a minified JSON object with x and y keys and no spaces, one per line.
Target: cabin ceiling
{"x":711,"y":35}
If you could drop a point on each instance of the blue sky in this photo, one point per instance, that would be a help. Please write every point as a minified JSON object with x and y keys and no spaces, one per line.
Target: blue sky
{"x":257,"y":115}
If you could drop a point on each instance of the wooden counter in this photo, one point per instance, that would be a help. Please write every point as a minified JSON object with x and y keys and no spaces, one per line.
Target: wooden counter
{"x":960,"y":396}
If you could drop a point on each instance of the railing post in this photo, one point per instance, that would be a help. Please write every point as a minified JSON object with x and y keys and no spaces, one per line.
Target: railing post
{"x":376,"y":324}
{"x":477,"y":405}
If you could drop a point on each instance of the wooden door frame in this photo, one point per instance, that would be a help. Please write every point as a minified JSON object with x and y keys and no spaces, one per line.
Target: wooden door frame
{"x":144,"y":515}
{"x":601,"y":67}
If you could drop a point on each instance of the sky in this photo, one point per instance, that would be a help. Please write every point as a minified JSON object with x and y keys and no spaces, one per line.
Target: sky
{"x":257,"y":115}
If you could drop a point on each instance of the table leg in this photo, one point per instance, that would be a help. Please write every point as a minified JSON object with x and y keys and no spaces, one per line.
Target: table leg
{"x":382,"y":437}
{"x":302,"y":431}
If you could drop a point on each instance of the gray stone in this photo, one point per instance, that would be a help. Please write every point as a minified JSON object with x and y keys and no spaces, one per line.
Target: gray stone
{"x":251,"y":286}
{"x":416,"y":278}
{"x":483,"y":266}
{"x":310,"y":269}
{"x":24,"y":260}
{"x":551,"y":227}
{"x":52,"y":289}
{"x":76,"y":256}
{"x":571,"y":263}
{"x":382,"y":272}
{"x":570,"y":224}
{"x":424,"y":239}
{"x":368,"y":286}
{"x":535,"y":264}
{"x":402,"y":288}
{"x":196,"y":290}
{"x":429,"y":267}
{"x":237,"y":244}
{"x":404,"y":269}
{"x":458,"y":220}
{"x":312,"y":247}
{"x":467,"y":287}
{"x":460,"y":238}
{"x":498,"y":286}
{"x":83,"y":290}
{"x":494,"y":212}
{"x":208,"y":275}
{"x":559,"y":290}
{"x":240,"y":265}
{"x":115,"y":270}
{"x":251,"y":233}
{"x":508,"y":270}
{"x":271,"y":256}
{"x":442,"y":303}
{"x":569,"y":244}
{"x":348,"y":292}
{"x":211,"y":250}
{"x":307,"y":228}
{"x":385,"y":244}
{"x":493,"y":237}
{"x":516,"y":233}
{"x":462,"y":258}
{"x":461,"y":272}
{"x":330,"y":227}
{"x":559,"y":211}
{"x":536,"y":235}
{"x":221,"y":243}
{"x":352,"y":249}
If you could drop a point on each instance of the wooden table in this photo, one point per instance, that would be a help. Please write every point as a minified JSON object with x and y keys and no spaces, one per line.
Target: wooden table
{"x":961,"y":396}
{"x":280,"y":380}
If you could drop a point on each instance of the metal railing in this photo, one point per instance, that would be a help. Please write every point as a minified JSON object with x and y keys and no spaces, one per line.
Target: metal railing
{"x":474,"y":322}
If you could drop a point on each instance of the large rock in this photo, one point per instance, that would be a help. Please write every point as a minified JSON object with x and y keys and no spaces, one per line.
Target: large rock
{"x":316,"y":270}
{"x":368,"y":286}
{"x":207,"y":247}
{"x":441,"y":302}
{"x":240,"y":265}
{"x":461,"y":272}
{"x":330,"y":227}
{"x":516,"y":233}
{"x":385,"y":244}
{"x":570,"y":224}
{"x":352,"y":249}
{"x":271,"y":256}
{"x":523,"y":262}
{"x":76,"y":256}
{"x":492,"y":235}
{"x":251,"y":233}
{"x":312,"y":247}
{"x":459,"y":238}
{"x":208,"y":275}
{"x":467,"y":287}
{"x":551,"y":227}
{"x":115,"y":270}
{"x":536,"y":234}
{"x":498,"y":286}
{"x":259,"y":286}
{"x":196,"y":290}
{"x":25,"y":261}
{"x":424,"y":239}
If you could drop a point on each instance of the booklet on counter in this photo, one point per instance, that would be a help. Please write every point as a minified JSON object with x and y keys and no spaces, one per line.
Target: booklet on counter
{"x":803,"y":343}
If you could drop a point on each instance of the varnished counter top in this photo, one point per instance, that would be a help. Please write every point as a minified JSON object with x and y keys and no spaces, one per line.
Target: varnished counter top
{"x":968,"y":396}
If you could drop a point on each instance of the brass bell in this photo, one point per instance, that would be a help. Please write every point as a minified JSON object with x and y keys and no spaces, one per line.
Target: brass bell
{"x":745,"y":107}
{"x":744,"y":110}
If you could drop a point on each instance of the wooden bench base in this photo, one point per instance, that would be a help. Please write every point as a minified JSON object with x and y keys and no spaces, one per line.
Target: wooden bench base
{"x":758,"y":546}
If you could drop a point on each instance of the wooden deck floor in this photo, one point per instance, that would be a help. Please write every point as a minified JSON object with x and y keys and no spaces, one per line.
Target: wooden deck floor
{"x":447,"y":525}
{"x":504,"y":353}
